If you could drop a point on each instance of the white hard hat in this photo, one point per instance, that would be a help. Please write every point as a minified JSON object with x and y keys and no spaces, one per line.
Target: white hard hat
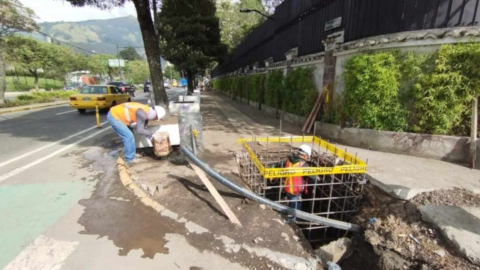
{"x":306,"y":149}
{"x":160,"y":112}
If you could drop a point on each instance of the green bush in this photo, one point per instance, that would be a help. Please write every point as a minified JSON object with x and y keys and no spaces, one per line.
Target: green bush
{"x":299,"y":92}
{"x":372,"y":92}
{"x":256,"y":87}
{"x":443,"y":97}
{"x":273,"y":88}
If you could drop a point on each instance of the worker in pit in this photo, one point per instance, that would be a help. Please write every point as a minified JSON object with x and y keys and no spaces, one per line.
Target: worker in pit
{"x":129,"y":115}
{"x":294,"y":186}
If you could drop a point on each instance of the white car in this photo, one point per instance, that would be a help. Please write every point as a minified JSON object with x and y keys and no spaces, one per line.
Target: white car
{"x":166,"y":85}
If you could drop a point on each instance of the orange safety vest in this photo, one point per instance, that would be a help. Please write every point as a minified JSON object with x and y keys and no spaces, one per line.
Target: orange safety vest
{"x":293,"y":184}
{"x":126,"y":112}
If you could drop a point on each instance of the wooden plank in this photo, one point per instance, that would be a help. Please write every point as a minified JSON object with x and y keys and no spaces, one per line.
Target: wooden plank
{"x":317,"y":109}
{"x":201,"y":174}
{"x":312,"y":112}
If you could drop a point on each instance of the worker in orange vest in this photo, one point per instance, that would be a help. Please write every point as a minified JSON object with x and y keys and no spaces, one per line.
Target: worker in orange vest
{"x":129,"y":115}
{"x":294,"y":186}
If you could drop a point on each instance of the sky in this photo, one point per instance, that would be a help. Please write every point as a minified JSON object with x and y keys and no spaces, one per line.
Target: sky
{"x":61,"y":10}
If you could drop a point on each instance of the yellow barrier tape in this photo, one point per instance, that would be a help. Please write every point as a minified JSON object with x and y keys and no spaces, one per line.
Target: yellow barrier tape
{"x":296,"y":139}
{"x":254,"y":158}
{"x":288,"y":172}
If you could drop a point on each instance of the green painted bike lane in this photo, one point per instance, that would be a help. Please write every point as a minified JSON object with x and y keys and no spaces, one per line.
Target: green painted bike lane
{"x":26,"y":211}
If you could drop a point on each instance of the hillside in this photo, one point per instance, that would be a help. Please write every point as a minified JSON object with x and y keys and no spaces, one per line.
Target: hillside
{"x":98,"y":35}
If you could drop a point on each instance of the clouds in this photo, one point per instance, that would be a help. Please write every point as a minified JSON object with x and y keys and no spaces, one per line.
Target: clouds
{"x":60,"y":10}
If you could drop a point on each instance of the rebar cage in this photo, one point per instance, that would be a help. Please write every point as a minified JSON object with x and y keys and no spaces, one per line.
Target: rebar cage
{"x":334,"y":183}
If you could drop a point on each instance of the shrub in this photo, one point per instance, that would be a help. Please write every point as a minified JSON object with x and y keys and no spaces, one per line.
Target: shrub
{"x":372,"y":92}
{"x":273,"y":88}
{"x":256,"y":87}
{"x":442,"y":98}
{"x":299,"y":94}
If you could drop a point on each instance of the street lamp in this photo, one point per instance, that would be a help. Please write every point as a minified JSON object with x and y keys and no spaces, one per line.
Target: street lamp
{"x":254,"y":10}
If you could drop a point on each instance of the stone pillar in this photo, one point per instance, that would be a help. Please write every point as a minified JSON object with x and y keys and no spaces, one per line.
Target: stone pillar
{"x":290,"y":55}
{"x":331,"y":43}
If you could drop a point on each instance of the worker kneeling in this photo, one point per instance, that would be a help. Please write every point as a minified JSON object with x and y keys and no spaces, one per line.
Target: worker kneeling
{"x":294,"y":186}
{"x":125,"y":116}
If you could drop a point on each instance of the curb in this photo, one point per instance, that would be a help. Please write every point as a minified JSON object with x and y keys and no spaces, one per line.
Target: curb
{"x":21,"y":108}
{"x":128,"y":183}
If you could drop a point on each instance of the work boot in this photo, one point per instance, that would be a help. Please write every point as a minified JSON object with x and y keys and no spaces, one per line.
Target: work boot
{"x":130,"y":164}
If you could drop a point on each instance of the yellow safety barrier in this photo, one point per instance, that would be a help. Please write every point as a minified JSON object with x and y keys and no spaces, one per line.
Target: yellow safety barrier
{"x":97,"y":115}
{"x":355,"y":165}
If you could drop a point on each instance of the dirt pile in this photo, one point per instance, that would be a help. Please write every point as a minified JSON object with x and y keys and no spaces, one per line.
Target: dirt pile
{"x":397,"y":238}
{"x":455,"y":197}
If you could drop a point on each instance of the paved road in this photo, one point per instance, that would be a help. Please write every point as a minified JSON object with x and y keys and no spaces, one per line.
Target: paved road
{"x":62,"y":206}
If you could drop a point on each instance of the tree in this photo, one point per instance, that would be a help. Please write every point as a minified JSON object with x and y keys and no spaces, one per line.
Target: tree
{"x":13,"y":17}
{"x":171,"y":73}
{"x":144,"y":18}
{"x":190,"y":35}
{"x":32,"y":55}
{"x":235,"y":25}
{"x":129,"y":54}
{"x":137,"y":72}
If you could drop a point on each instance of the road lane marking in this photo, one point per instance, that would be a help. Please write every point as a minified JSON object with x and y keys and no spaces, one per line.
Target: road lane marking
{"x":66,"y":112}
{"x":38,"y":161}
{"x":48,"y":145}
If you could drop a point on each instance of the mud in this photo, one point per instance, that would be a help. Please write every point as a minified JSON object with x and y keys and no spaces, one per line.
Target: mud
{"x":115,"y":213}
{"x":392,"y":229}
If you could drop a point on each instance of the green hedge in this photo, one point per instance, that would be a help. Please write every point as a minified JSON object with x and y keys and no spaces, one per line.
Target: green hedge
{"x":299,"y":92}
{"x":424,"y":93}
{"x":294,"y":94}
{"x":273,"y":89}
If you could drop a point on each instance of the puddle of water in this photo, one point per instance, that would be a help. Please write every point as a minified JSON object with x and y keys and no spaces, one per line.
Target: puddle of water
{"x":129,"y":226}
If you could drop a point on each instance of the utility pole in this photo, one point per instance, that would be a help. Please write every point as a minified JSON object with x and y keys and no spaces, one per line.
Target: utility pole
{"x":118,"y":60}
{"x":473,"y":134}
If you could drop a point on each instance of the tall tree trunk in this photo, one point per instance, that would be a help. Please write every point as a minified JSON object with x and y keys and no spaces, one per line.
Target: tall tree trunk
{"x":3,"y":80}
{"x":190,"y":78}
{"x":152,"y":51}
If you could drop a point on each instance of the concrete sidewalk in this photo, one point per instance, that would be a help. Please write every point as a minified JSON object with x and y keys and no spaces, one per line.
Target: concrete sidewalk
{"x":32,"y":106}
{"x":403,"y":177}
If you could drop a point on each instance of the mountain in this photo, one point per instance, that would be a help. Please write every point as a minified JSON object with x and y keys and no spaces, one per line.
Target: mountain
{"x":98,"y":35}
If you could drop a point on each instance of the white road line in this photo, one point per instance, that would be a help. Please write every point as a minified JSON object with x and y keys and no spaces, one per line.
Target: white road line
{"x":48,"y":145}
{"x":66,"y":112}
{"x":38,"y":161}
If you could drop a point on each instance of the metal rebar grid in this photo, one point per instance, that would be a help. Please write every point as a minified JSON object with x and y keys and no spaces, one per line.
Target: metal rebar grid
{"x":332,"y":196}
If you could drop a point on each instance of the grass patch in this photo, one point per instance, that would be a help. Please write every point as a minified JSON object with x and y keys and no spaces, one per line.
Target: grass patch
{"x":25,"y":83}
{"x":38,"y":97}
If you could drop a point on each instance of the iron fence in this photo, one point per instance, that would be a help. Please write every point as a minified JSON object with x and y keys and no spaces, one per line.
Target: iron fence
{"x":301,"y":23}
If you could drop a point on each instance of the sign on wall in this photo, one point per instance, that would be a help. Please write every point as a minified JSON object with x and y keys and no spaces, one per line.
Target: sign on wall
{"x":332,"y":24}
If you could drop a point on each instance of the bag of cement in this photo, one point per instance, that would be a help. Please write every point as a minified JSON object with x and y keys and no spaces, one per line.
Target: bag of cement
{"x":161,"y":144}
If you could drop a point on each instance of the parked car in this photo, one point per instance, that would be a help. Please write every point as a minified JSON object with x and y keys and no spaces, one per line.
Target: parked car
{"x":147,"y":86}
{"x":166,"y":85}
{"x":72,"y":86}
{"x":103,"y":96}
{"x":124,"y":87}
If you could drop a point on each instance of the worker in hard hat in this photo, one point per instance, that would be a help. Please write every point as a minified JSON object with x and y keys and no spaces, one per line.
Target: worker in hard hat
{"x":129,"y":115}
{"x":294,"y":186}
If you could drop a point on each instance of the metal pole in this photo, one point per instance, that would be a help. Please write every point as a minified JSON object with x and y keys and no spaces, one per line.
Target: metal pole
{"x":97,"y":116}
{"x":118,"y":60}
{"x":473,"y":133}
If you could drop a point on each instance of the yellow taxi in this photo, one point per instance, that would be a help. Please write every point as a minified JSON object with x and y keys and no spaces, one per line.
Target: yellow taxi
{"x":103,"y":96}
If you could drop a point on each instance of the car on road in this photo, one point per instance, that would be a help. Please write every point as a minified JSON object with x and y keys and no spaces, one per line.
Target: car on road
{"x":72,"y":86}
{"x":147,"y":86}
{"x":124,"y":87}
{"x":103,"y":96}
{"x":166,"y":85}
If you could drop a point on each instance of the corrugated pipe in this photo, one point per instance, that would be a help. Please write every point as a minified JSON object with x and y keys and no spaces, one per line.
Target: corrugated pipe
{"x":276,"y":206}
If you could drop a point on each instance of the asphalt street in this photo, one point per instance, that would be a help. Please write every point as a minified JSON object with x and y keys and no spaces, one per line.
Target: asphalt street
{"x":63,"y":207}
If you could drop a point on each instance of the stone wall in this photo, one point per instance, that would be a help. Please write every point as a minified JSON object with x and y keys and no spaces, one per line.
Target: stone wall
{"x":447,"y":148}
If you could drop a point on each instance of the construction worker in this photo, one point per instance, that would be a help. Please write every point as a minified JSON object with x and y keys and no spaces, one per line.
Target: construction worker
{"x":125,"y":116}
{"x":294,"y":186}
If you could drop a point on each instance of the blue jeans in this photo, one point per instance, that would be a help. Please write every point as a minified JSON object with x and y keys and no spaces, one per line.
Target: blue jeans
{"x":127,"y":137}
{"x":294,"y":201}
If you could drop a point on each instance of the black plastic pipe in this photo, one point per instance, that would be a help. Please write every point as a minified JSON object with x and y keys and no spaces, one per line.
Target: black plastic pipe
{"x":276,"y":206}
